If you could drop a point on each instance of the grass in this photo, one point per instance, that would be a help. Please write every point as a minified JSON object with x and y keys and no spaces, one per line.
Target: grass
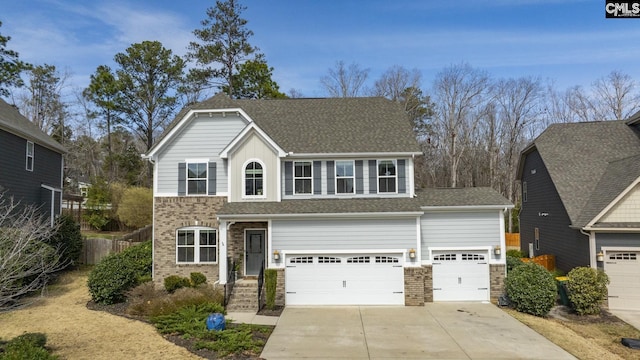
{"x":103,"y":234}
{"x":585,"y":337}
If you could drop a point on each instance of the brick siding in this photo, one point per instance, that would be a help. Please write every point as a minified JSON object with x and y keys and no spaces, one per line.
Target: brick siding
{"x":427,"y":272}
{"x":413,"y":286}
{"x":496,"y":279}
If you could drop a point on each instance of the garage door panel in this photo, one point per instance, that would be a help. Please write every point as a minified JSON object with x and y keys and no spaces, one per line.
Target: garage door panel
{"x":622,"y":268}
{"x":460,"y":276}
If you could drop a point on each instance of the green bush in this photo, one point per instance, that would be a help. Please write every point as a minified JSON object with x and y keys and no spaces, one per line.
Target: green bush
{"x":515,"y":253}
{"x":175,"y":282}
{"x":136,"y":207}
{"x":197,"y":279}
{"x":29,"y":346}
{"x":512,"y":262}
{"x":188,"y":320}
{"x":531,"y":289}
{"x":587,"y":289}
{"x":116,"y":274}
{"x":270,"y":280}
{"x":67,"y":239}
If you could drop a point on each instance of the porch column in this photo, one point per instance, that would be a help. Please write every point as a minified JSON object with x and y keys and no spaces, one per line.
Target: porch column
{"x":222,"y":261}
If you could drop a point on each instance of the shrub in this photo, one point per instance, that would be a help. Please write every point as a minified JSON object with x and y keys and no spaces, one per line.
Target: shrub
{"x":175,"y":282}
{"x":146,"y":301}
{"x":512,"y":262}
{"x":531,"y":288}
{"x":587,"y":289}
{"x":197,"y":279}
{"x":67,"y":239}
{"x":188,"y":320}
{"x":270,"y":280}
{"x":117,"y":273}
{"x":29,"y":346}
{"x":515,"y":253}
{"x":136,"y":207}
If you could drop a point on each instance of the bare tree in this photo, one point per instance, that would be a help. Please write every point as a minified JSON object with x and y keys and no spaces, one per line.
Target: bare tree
{"x":616,"y":96}
{"x":459,"y":92}
{"x":26,"y":260}
{"x":343,"y":81}
{"x":393,"y":82}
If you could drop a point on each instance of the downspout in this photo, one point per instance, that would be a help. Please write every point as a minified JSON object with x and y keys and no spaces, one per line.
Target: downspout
{"x":592,"y":248}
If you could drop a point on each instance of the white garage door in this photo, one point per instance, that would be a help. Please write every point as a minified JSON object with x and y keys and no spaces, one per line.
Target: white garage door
{"x":460,"y":276}
{"x":623,"y":268}
{"x":344,"y":280}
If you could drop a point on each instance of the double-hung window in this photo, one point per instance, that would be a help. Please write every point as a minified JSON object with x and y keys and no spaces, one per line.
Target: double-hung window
{"x":254,"y":179}
{"x":196,"y":245}
{"x":302,"y":177}
{"x":387,"y":176}
{"x":344,"y":177}
{"x":29,"y":161}
{"x":197,"y":178}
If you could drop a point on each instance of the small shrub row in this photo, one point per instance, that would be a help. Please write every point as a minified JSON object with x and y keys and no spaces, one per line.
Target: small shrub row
{"x":29,"y":346}
{"x":515,"y":253}
{"x":587,"y":289}
{"x":531,"y":289}
{"x":175,"y":282}
{"x":118,"y":273}
{"x":148,"y":302}
{"x":270,"y":280}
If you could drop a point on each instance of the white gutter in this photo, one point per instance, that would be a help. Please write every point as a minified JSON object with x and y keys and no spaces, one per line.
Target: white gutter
{"x":322,"y":215}
{"x":467,"y":207}
{"x":352,"y":155}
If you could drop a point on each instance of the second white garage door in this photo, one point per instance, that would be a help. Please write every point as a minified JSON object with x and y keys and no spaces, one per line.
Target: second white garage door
{"x":460,"y":276}
{"x":344,"y":279}
{"x":623,"y":268}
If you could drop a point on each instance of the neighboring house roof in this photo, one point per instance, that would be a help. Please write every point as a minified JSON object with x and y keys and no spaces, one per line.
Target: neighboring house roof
{"x":12,"y":121}
{"x":481,"y":197}
{"x":325,"y":125}
{"x":586,"y":162}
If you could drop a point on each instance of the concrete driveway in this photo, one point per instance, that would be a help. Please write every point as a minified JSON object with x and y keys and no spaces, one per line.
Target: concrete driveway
{"x":435,"y":331}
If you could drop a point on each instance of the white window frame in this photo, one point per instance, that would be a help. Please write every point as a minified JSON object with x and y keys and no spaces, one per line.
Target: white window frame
{"x":196,"y":244}
{"x":310,"y":178}
{"x":352,"y":177}
{"x":31,"y":149}
{"x":395,"y":165}
{"x":244,"y":180}
{"x":206,"y":176}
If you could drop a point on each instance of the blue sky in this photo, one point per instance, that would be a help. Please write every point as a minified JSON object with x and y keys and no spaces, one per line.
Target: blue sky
{"x":567,"y":41}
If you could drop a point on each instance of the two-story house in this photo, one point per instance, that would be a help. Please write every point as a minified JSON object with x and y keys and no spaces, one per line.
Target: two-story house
{"x":31,"y":164}
{"x":581,"y":201}
{"x":323,"y":191}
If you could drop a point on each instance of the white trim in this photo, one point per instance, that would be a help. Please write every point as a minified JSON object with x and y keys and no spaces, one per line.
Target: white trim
{"x":302,"y":178}
{"x":244,"y":180}
{"x":352,"y":155}
{"x":194,"y":114}
{"x":620,"y":248}
{"x":412,"y":186}
{"x":466,"y":207}
{"x":220,"y":194}
{"x":353,"y":177}
{"x":592,"y":250}
{"x":418,"y":260}
{"x":373,"y":215}
{"x":224,"y":154}
{"x":32,"y":156}
{"x":490,"y":260}
{"x":616,"y":230}
{"x":206,"y":178}
{"x":395,"y":165}
{"x":222,"y":252}
{"x":196,"y":245}
{"x":612,"y":204}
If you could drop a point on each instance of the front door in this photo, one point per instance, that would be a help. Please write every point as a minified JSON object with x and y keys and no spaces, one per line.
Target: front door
{"x":254,"y":251}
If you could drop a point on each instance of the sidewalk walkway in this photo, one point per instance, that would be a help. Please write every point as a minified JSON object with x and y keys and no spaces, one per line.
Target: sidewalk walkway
{"x":252,"y":318}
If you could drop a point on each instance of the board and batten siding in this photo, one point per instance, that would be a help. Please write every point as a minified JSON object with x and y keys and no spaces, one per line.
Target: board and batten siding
{"x":203,"y":137}
{"x":344,"y":235}
{"x":459,"y":229}
{"x":254,"y":148}
{"x":363,"y":187}
{"x":626,"y":210}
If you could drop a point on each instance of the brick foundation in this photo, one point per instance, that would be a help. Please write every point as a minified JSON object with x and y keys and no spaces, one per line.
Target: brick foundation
{"x":280,"y":299}
{"x":171,"y":213}
{"x":413,"y":286}
{"x":496,"y":279}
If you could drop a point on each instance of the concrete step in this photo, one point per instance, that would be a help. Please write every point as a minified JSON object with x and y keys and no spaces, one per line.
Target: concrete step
{"x":244,"y":297}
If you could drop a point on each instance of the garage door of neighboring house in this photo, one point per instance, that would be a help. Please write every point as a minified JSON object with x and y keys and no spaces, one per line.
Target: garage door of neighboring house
{"x":338,"y":279}
{"x":460,"y":276}
{"x":623,"y":268}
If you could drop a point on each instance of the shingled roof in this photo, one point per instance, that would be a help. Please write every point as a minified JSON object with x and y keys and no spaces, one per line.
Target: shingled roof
{"x":449,"y":197}
{"x":12,"y":121}
{"x":589,"y":163}
{"x":325,"y":125}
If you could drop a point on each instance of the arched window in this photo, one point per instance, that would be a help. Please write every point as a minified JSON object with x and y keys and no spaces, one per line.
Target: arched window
{"x":254,"y":179}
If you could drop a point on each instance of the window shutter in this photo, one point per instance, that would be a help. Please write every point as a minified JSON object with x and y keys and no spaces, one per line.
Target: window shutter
{"x":373,"y":177}
{"x":317,"y":177}
{"x":402,"y":177}
{"x":359,"y":178}
{"x":288,"y":178}
{"x":212,"y":178}
{"x":331,"y":178}
{"x":182,"y":179}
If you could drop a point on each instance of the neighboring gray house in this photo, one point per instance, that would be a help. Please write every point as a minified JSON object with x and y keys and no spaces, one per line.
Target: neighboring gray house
{"x":31,"y":164}
{"x":322,"y":190}
{"x":581,"y":201}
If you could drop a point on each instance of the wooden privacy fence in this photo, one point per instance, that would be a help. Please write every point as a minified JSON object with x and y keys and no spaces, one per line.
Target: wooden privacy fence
{"x":548,"y":261}
{"x":95,"y":249}
{"x":512,"y":240}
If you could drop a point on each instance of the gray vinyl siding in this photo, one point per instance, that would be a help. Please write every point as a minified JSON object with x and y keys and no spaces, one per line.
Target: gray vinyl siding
{"x":202,"y":138}
{"x":617,"y":240}
{"x":570,"y":247}
{"x":459,"y":229}
{"x":337,"y":234}
{"x":25,"y":186}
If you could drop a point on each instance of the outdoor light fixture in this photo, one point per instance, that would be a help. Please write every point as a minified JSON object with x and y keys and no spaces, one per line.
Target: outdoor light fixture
{"x":496,"y":250}
{"x":276,"y":255}
{"x":600,"y":256}
{"x":412,"y":253}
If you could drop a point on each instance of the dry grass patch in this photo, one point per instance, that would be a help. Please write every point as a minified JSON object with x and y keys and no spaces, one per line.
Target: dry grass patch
{"x":594,"y":337}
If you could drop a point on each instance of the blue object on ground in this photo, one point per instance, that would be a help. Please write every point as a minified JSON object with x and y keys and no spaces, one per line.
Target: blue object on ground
{"x":216,"y":321}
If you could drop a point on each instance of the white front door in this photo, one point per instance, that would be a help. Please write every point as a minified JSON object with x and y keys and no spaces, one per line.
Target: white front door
{"x":355,"y":279}
{"x":623,"y":268}
{"x":460,"y":276}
